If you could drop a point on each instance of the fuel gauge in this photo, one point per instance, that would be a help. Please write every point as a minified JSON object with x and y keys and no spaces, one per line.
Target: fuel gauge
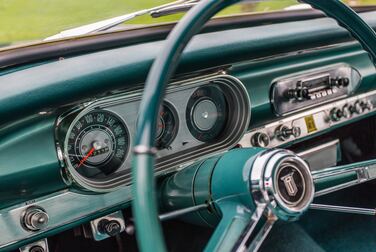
{"x":167,"y":126}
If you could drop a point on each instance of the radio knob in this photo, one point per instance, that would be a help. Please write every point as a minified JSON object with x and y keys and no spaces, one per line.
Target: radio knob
{"x":283,"y":132}
{"x":260,"y":140}
{"x":35,"y":218}
{"x":344,"y":82}
{"x":340,"y":82}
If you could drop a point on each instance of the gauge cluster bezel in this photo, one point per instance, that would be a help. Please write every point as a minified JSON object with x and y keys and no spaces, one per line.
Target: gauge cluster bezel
{"x":184,"y":148}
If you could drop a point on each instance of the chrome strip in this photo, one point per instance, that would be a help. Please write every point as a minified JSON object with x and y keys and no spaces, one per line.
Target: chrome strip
{"x":318,"y":148}
{"x":65,"y":207}
{"x":344,"y":209}
{"x":364,"y":172}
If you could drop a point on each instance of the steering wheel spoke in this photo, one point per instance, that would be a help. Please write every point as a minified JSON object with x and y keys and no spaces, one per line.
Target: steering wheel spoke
{"x":336,"y":178}
{"x":239,"y":228}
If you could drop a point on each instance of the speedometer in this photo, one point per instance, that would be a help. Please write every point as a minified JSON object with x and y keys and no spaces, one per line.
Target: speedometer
{"x":97,"y":144}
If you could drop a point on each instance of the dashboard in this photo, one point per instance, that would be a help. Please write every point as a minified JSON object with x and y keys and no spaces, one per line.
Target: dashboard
{"x":70,"y":147}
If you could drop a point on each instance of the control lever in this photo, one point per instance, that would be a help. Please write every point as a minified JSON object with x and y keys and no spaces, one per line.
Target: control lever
{"x":344,"y":209}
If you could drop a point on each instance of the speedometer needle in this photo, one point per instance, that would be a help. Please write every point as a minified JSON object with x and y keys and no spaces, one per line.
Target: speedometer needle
{"x":86,"y":157}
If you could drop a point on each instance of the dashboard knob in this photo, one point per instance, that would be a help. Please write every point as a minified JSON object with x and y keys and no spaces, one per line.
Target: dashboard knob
{"x":336,"y":114}
{"x":340,"y":82}
{"x":283,"y":132}
{"x":35,"y":218}
{"x":344,"y":82}
{"x":346,"y":113}
{"x":356,"y":108}
{"x":366,"y":105}
{"x":109,"y":227}
{"x":260,"y":140}
{"x":37,"y":248}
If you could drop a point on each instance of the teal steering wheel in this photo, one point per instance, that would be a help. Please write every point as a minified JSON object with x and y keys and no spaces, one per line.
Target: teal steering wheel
{"x":148,"y":228}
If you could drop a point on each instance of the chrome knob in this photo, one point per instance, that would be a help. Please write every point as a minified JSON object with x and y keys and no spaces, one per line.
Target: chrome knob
{"x":366,"y":105}
{"x":346,"y":113}
{"x":336,"y":114}
{"x":283,"y":132}
{"x":356,"y":108}
{"x":260,"y":140}
{"x":35,"y":218}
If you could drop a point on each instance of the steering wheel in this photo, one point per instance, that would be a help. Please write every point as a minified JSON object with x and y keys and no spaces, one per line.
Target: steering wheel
{"x":240,"y":215}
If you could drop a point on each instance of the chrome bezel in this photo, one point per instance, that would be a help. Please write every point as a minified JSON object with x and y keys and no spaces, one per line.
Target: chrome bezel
{"x":240,"y":99}
{"x":264,"y":186}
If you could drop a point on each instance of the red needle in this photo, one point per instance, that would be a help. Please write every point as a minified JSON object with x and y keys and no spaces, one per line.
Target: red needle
{"x":86,"y":157}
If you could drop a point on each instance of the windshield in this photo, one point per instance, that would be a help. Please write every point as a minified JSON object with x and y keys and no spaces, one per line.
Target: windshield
{"x":24,"y":21}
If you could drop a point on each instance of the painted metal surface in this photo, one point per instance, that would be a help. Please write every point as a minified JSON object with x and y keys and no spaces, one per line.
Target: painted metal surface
{"x":29,"y":167}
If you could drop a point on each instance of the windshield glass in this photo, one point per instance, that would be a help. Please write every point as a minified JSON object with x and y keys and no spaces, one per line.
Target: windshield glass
{"x":24,"y":21}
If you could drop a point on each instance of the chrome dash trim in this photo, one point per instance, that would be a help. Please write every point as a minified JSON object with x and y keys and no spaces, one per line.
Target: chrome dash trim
{"x":320,"y":115}
{"x":63,"y":208}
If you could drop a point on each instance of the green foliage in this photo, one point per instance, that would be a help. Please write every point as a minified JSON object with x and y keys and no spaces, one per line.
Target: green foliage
{"x":28,"y":20}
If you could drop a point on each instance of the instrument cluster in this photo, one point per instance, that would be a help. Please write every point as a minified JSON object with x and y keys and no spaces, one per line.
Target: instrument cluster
{"x":197,"y":118}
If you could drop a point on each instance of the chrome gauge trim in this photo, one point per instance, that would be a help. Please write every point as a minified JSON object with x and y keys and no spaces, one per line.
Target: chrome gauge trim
{"x":87,"y":183}
{"x":168,"y":160}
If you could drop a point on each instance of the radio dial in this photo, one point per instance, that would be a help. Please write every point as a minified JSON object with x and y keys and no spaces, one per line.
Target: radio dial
{"x":340,"y":82}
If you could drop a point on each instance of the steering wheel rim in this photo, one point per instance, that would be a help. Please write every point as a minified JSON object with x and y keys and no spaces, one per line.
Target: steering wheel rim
{"x":148,"y":228}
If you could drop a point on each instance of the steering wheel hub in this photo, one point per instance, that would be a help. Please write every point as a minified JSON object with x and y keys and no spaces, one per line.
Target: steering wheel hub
{"x":284,"y":182}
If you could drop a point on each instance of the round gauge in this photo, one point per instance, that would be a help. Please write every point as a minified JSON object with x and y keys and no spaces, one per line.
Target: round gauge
{"x":97,"y":144}
{"x":206,"y":113}
{"x":167,"y":126}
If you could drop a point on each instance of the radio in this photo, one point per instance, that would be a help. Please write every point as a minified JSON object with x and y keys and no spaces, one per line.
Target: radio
{"x":297,"y":92}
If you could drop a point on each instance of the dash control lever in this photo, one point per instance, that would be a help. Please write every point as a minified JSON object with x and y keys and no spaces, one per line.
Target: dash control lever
{"x":283,"y":132}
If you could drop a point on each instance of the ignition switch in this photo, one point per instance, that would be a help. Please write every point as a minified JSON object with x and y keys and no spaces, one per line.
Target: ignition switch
{"x":109,"y":227}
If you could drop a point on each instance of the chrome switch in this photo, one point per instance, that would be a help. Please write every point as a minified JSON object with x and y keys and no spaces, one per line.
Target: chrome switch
{"x":34,"y":218}
{"x":283,"y":132}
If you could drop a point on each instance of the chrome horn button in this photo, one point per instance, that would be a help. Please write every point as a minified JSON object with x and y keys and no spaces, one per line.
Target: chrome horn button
{"x":283,"y":181}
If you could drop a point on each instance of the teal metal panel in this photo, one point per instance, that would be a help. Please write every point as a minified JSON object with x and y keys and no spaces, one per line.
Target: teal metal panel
{"x":29,"y":167}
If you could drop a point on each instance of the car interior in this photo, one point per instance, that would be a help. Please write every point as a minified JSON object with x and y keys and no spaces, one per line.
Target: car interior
{"x":249,"y":132}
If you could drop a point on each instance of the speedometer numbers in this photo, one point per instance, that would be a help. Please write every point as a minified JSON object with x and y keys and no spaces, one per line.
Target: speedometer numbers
{"x":97,"y":144}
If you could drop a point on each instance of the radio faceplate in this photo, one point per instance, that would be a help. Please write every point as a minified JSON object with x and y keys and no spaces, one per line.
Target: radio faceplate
{"x":311,"y":122}
{"x":293,"y":93}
